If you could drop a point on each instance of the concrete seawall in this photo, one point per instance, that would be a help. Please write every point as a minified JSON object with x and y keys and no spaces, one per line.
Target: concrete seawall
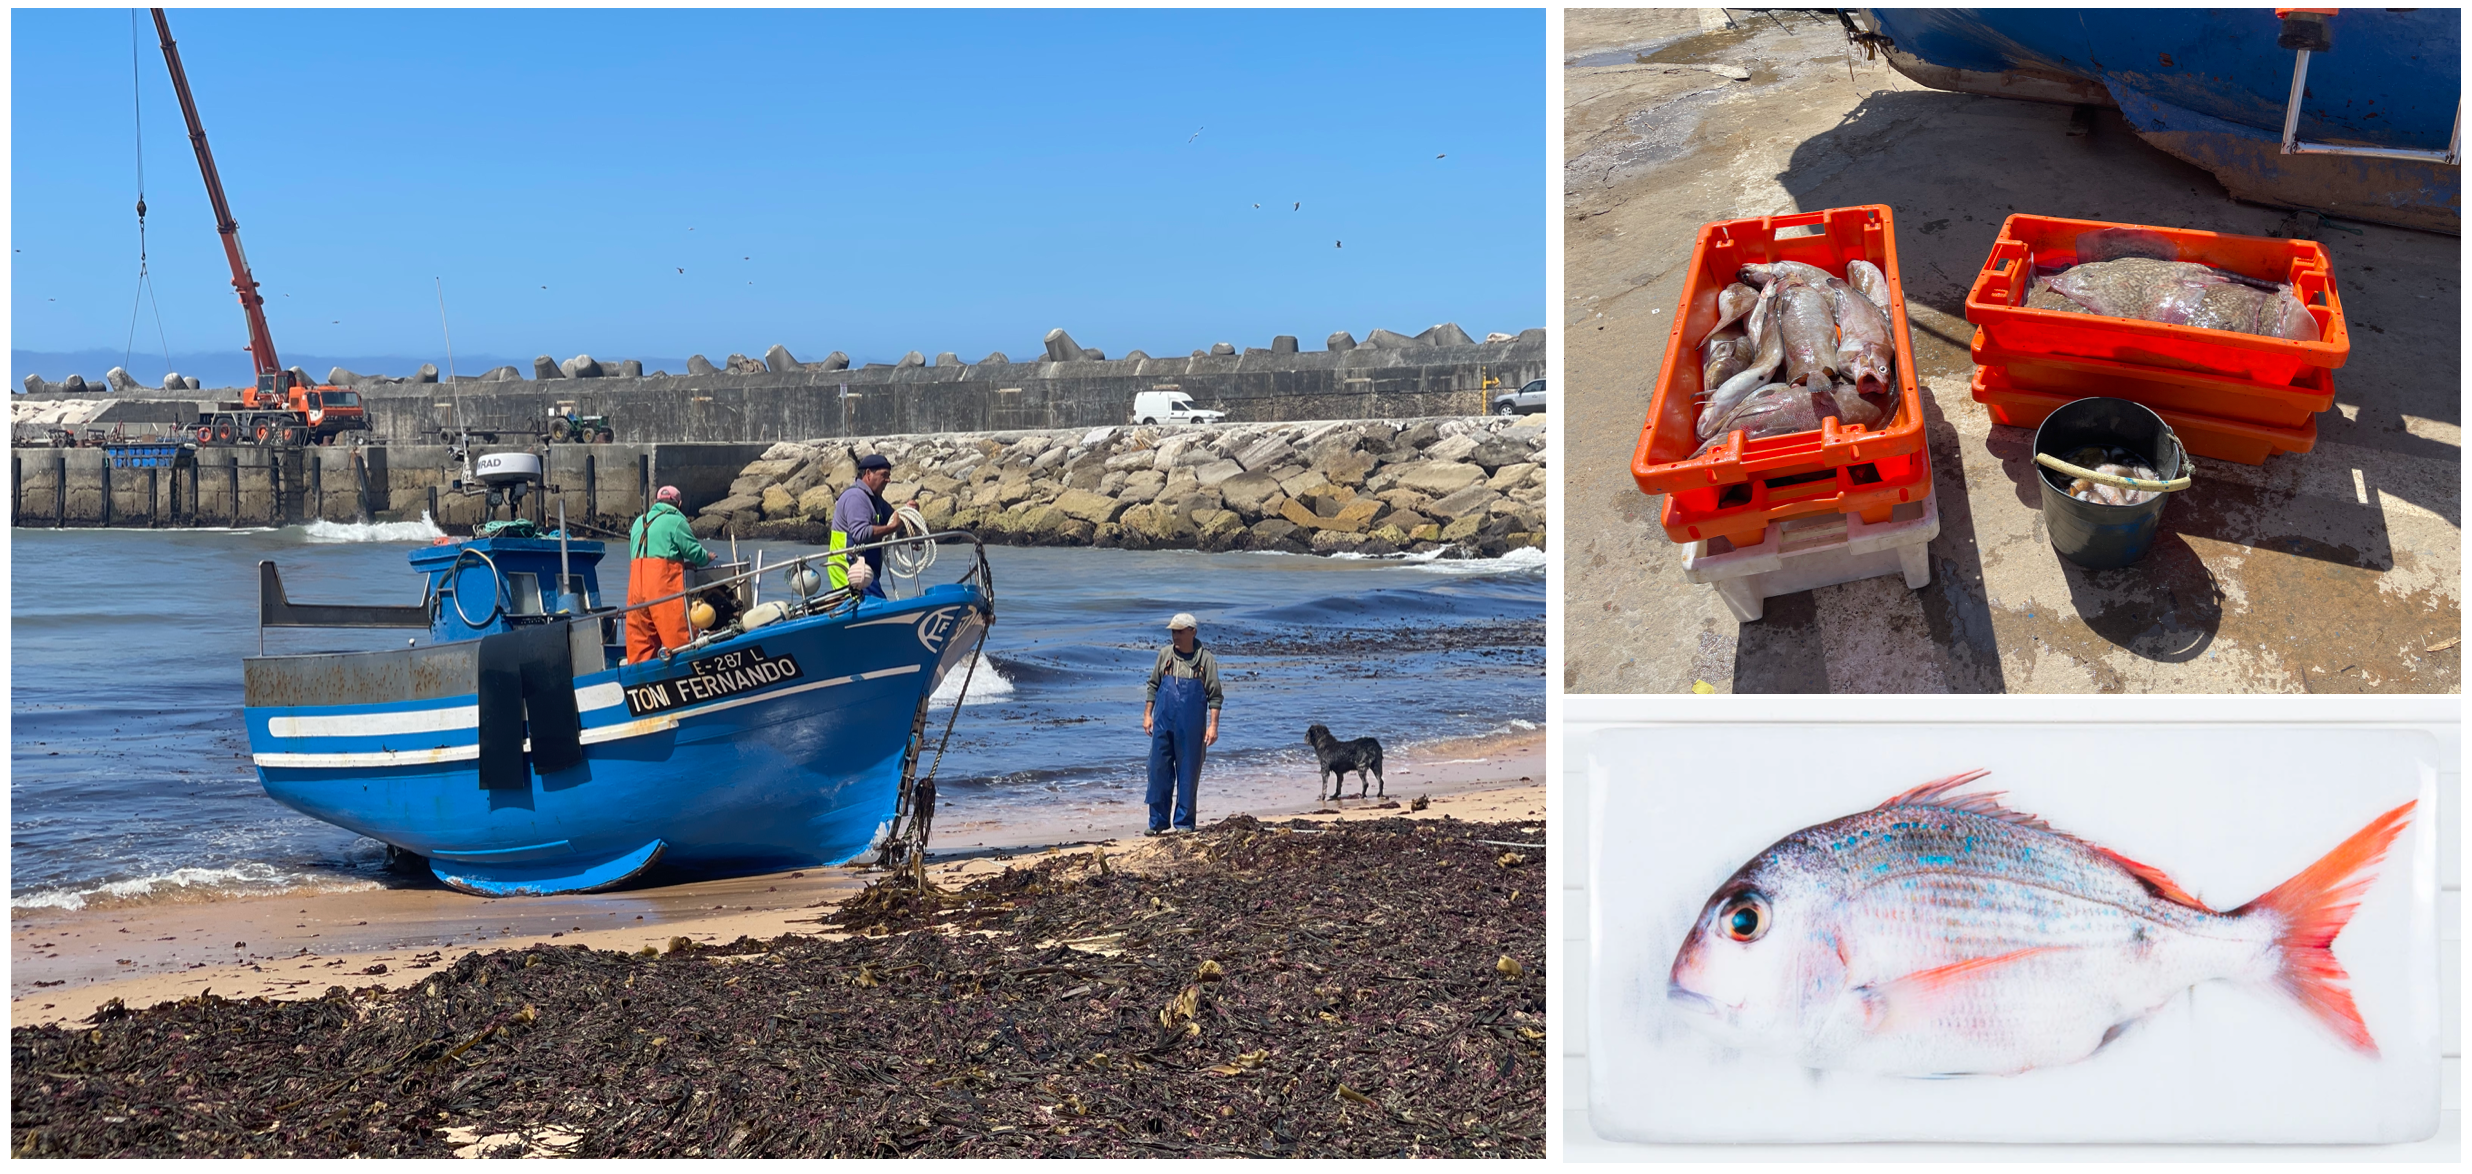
{"x":1365,"y":382}
{"x":249,"y":486}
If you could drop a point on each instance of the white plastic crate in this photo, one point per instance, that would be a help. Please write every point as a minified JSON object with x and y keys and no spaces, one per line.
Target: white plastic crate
{"x":1817,"y":551}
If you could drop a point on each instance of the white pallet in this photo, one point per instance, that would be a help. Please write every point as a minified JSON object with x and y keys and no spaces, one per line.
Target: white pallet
{"x":1817,"y":551}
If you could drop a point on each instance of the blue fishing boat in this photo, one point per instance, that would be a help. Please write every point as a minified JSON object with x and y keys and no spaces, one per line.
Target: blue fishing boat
{"x":514,"y":753}
{"x":2354,"y":112}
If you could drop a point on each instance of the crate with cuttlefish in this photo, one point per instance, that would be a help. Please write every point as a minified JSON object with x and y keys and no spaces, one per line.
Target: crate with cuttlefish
{"x":2231,"y":339}
{"x":1786,"y":428}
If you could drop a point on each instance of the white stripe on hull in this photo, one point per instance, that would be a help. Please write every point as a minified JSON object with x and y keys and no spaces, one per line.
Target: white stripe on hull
{"x":591,"y":735}
{"x":420,"y":721}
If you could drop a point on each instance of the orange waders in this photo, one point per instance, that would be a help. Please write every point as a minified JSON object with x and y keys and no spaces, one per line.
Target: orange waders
{"x":651,"y":629}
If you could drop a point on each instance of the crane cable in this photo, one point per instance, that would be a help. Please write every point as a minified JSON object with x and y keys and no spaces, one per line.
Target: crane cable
{"x":145,"y":284}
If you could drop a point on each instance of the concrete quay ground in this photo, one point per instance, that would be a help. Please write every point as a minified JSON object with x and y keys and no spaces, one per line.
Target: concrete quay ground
{"x":2337,"y":570}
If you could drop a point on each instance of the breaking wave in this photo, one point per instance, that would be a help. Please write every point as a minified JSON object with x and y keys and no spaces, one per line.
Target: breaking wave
{"x":988,"y":684}
{"x":324,"y":532}
{"x":182,"y":884}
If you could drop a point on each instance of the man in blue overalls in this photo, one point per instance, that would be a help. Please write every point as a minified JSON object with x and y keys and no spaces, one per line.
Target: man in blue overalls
{"x":1180,"y":712}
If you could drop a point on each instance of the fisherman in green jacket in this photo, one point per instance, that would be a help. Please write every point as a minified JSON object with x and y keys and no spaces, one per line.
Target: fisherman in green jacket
{"x":661,"y":548}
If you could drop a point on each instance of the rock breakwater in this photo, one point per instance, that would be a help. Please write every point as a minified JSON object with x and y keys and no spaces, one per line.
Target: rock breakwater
{"x":1457,"y":486}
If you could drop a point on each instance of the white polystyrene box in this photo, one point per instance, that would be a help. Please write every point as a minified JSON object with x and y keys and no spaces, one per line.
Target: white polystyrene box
{"x":2228,"y":812}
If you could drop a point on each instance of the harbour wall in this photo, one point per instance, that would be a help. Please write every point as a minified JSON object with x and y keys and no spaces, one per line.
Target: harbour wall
{"x":1404,"y":378}
{"x":249,"y":486}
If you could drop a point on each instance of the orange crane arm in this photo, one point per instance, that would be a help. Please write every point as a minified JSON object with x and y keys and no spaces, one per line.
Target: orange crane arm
{"x":261,"y":340}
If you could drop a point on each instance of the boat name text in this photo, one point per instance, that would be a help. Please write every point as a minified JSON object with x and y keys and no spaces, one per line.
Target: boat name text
{"x":711,"y":679}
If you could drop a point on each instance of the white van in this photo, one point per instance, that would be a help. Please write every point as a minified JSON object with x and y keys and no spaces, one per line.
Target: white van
{"x":1170,"y":407}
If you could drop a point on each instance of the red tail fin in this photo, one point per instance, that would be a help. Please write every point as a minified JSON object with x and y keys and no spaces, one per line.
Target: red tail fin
{"x":2313,"y":907}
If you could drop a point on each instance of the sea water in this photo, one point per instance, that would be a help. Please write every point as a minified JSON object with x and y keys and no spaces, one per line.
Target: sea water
{"x":131,"y":779}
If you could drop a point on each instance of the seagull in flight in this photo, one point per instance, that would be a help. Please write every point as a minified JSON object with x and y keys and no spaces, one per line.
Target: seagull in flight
{"x":1338,"y":244}
{"x":681,"y":271}
{"x":1300,"y":206}
{"x":1437,"y":156}
{"x":1197,"y":133}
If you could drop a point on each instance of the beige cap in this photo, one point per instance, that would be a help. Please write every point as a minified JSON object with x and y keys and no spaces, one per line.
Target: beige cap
{"x":1184,"y":619}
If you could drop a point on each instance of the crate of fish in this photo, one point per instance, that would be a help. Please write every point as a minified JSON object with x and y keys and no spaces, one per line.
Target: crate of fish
{"x":2241,"y":442}
{"x":2244,"y":307}
{"x":1742,"y":513}
{"x":1821,"y":550}
{"x":2276,"y":405}
{"x":1788,"y":354}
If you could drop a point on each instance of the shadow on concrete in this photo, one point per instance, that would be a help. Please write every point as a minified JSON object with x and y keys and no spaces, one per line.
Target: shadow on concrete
{"x":2164,"y":607}
{"x":1782,"y":653}
{"x":1954,"y":166}
{"x":1957,"y":604}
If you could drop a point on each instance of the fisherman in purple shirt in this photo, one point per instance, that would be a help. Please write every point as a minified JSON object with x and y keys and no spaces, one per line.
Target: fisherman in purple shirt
{"x":862,"y":515}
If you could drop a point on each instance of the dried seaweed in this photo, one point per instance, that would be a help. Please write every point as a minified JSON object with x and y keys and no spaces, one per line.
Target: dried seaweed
{"x":1361,"y":989}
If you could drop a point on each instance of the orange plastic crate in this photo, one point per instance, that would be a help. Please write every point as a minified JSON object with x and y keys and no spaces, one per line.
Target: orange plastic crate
{"x":1740,"y":513}
{"x":2280,"y":405}
{"x":2238,"y":441}
{"x":1663,"y":463}
{"x":1997,"y":304}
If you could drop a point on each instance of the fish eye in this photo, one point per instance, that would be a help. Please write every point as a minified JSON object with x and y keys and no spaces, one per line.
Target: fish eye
{"x":1744,"y":918}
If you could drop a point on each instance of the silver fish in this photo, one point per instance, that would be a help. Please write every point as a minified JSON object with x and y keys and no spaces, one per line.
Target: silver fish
{"x":1810,"y":335}
{"x":1723,"y":355}
{"x":1733,"y":302}
{"x":1777,"y":409}
{"x":1943,"y":934}
{"x":1865,"y":356}
{"x":1761,"y":275}
{"x":1865,"y":276}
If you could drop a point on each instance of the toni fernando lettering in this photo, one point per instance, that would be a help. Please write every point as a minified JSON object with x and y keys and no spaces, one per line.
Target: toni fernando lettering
{"x":711,"y":679}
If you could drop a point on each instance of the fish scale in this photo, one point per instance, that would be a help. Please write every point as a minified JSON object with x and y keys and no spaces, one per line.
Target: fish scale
{"x":1942,"y":934}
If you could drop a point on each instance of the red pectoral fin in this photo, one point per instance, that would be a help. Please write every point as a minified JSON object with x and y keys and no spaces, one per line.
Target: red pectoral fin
{"x":1899,"y":999}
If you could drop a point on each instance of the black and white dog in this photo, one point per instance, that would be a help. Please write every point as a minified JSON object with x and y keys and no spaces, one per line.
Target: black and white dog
{"x":1364,"y":756}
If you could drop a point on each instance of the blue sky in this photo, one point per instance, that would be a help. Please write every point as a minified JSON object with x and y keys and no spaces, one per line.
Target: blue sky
{"x":871,"y":182}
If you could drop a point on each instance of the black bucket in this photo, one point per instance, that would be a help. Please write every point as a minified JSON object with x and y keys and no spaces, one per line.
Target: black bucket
{"x":2089,"y":533}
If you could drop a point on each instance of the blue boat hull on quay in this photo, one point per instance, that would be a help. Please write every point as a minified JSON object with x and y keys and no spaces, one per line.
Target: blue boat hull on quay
{"x":2210,"y":86}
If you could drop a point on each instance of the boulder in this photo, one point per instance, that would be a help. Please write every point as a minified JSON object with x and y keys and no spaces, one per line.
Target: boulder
{"x":994,"y":357}
{"x":1284,"y":344}
{"x":1267,"y":452}
{"x":913,"y":359}
{"x":736,"y":503}
{"x":1142,"y":485}
{"x":818,"y":502}
{"x":1275,"y":534}
{"x":338,"y":377}
{"x":1246,"y":492}
{"x":836,"y":361}
{"x":699,"y":365}
{"x":1355,"y":515}
{"x":778,"y":361}
{"x":1222,"y":348}
{"x":742,"y":365}
{"x":428,"y":373}
{"x":74,"y":384}
{"x":1344,"y":467}
{"x":1219,"y":530}
{"x":1499,"y":451}
{"x":1389,"y":340}
{"x":1474,"y":499}
{"x":501,"y":375}
{"x":34,"y":385}
{"x":193,"y":385}
{"x":947,"y":359}
{"x":1424,"y":433}
{"x":1445,"y":334}
{"x":1136,"y":355}
{"x":1463,"y":528}
{"x":1217,"y":471}
{"x":580,"y":367}
{"x":1296,"y":512}
{"x":1511,"y":476}
{"x":1060,"y":346}
{"x":778,"y":503}
{"x":120,"y":380}
{"x":1340,"y":340}
{"x":1089,"y":507}
{"x":1050,"y":459}
{"x":628,"y":368}
{"x":1302,"y":483}
{"x":173,"y":382}
{"x":708,"y":525}
{"x":1451,"y":448}
{"x":1437,"y":478}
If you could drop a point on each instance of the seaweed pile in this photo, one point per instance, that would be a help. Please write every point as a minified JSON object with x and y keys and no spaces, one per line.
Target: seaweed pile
{"x":1358,"y":989}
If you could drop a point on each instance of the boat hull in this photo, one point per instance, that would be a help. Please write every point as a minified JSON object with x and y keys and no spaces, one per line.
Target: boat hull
{"x":2210,"y":85}
{"x":783,"y":747}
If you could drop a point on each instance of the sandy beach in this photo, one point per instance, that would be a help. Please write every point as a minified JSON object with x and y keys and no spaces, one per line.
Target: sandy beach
{"x":66,"y":963}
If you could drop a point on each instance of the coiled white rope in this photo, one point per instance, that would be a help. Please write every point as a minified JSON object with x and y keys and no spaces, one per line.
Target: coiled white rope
{"x":910,"y":559}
